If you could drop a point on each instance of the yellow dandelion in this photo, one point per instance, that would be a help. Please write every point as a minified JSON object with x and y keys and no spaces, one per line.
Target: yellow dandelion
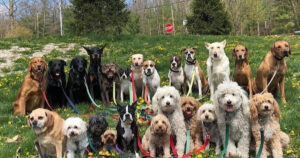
{"x":26,"y":116}
{"x":285,"y":106}
{"x":9,"y":122}
{"x":90,"y":153}
{"x":100,"y":153}
{"x":68,"y":115}
{"x":292,"y":133}
{"x":138,"y":107}
{"x":113,"y":154}
{"x":107,"y":153}
{"x":199,"y":156}
{"x":32,"y":156}
{"x":289,"y":151}
{"x":27,"y":153}
{"x":65,"y":109}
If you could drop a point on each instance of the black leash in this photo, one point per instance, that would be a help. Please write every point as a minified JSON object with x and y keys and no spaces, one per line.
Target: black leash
{"x":39,"y":149}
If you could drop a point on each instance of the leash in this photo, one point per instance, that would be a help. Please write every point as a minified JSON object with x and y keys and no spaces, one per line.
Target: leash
{"x":114,"y":93}
{"x":173,"y":147}
{"x":146,"y":94}
{"x":275,"y":72}
{"x":91,"y":145}
{"x":226,"y":141}
{"x":39,"y":149}
{"x":207,"y":139}
{"x":187,"y":145}
{"x":45,"y":98}
{"x":133,"y":87}
{"x":130,"y":94}
{"x":192,"y":81}
{"x":119,"y":150}
{"x":69,"y":101}
{"x":140,"y":146}
{"x":261,"y":143}
{"x":89,"y":94}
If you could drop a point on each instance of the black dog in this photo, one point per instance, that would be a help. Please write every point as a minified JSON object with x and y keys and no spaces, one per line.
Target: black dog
{"x":127,"y":128}
{"x":75,"y":87}
{"x":97,"y":126}
{"x":94,"y":73}
{"x":56,"y":79}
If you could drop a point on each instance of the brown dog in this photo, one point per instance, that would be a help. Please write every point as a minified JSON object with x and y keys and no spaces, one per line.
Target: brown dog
{"x":47,"y":126}
{"x":274,"y":61}
{"x":30,"y":96}
{"x":109,"y":139}
{"x":110,"y":75}
{"x":242,"y":73}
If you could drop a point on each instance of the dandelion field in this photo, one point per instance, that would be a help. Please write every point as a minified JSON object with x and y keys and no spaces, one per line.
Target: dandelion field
{"x":119,"y":49}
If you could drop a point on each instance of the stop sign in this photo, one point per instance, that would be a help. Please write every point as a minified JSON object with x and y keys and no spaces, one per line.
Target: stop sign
{"x":169,"y":28}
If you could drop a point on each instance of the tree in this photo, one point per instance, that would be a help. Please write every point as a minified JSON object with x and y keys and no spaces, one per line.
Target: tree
{"x":99,"y":16}
{"x":208,"y":17}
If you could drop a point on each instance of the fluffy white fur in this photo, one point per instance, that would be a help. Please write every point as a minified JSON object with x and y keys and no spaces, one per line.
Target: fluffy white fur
{"x":217,"y":65}
{"x":167,"y":101}
{"x":232,"y":107}
{"x":75,"y":130}
{"x":206,"y":115}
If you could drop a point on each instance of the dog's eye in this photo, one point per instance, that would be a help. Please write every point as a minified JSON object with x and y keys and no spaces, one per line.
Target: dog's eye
{"x":133,"y":58}
{"x":162,"y":97}
{"x":233,"y":94}
{"x":218,"y":47}
{"x":209,"y":110}
{"x":139,"y":58}
{"x":156,"y":122}
{"x":31,"y":118}
{"x":69,"y":127}
{"x":203,"y":111}
{"x":75,"y":127}
{"x":40,"y":117}
{"x":243,"y":50}
{"x":211,"y":47}
{"x":286,"y":45}
{"x":279,"y":47}
{"x":163,"y":122}
{"x":269,"y":101}
{"x":151,"y":65}
{"x":171,"y":96}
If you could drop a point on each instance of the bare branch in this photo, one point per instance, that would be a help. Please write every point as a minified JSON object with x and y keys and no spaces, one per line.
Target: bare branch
{"x":3,"y":3}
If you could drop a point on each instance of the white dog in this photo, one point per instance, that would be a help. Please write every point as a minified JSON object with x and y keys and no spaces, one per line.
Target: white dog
{"x":75,"y":129}
{"x":232,"y":107}
{"x":206,"y":115}
{"x":166,"y":101}
{"x":217,"y":65}
{"x":137,"y":68}
{"x":176,"y":74}
{"x":150,"y":78}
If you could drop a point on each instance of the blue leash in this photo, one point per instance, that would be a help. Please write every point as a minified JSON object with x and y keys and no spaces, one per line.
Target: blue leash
{"x":70,"y":102}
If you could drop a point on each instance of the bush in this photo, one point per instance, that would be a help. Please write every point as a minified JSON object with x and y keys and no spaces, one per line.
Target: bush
{"x":19,"y":32}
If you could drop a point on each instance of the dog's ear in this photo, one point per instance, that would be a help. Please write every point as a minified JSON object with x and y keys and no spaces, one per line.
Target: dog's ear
{"x":63,"y":62}
{"x":169,"y":129}
{"x":133,"y":105}
{"x":88,"y":50}
{"x":196,"y":104}
{"x":28,"y":121}
{"x":290,"y":52}
{"x":50,"y":63}
{"x":276,"y":109}
{"x":233,"y":53}
{"x":119,"y":107}
{"x":101,"y":49}
{"x":223,"y":43}
{"x":253,"y":109}
{"x":182,"y":50}
{"x":103,"y":138}
{"x":273,"y":49}
{"x":195,"y":49}
{"x":155,"y":98}
{"x":245,"y":103}
{"x":50,"y":119}
{"x":29,"y":68}
{"x":207,"y":45}
{"x":247,"y":54}
{"x":152,"y":126}
{"x":45,"y":65}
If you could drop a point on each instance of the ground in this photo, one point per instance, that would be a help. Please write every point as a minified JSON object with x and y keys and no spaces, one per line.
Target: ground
{"x":15,"y":54}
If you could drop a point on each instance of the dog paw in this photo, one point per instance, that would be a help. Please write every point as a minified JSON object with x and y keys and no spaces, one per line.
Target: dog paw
{"x":167,"y":156}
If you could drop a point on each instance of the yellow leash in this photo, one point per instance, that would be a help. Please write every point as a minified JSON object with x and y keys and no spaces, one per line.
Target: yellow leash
{"x":114,"y":93}
{"x":192,"y":81}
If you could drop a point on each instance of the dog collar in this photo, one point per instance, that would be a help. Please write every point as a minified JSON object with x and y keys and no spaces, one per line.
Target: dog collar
{"x":278,"y":58}
{"x":191,"y":62}
{"x":149,"y":75}
{"x":40,"y":80}
{"x":174,"y":70}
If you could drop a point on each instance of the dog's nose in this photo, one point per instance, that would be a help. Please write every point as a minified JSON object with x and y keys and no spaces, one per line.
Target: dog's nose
{"x":173,"y":64}
{"x":39,"y":66}
{"x":168,"y":103}
{"x":136,"y":64}
{"x":188,"y":108}
{"x":240,"y":56}
{"x":285,"y":53}
{"x":72,"y":133}
{"x":228,"y":101}
{"x":34,"y":123}
{"x":215,"y":55}
{"x":266,"y":107}
{"x":206,"y":116}
{"x":159,"y":127}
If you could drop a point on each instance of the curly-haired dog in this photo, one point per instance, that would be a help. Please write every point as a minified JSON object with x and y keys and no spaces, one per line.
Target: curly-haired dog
{"x":207,"y":122}
{"x":166,"y":101}
{"x":96,"y":127}
{"x":265,"y":114}
{"x":75,"y":129}
{"x":110,"y":74}
{"x":189,"y":106}
{"x":176,"y":74}
{"x":47,"y":126}
{"x":157,"y":136}
{"x":242,"y":72}
{"x":30,"y":96}
{"x":274,"y":61}
{"x":217,"y":65}
{"x":232,"y":107}
{"x":109,"y":139}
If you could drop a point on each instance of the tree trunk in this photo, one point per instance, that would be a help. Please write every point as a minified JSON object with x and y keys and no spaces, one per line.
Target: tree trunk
{"x":11,"y":15}
{"x":37,"y":25}
{"x":60,"y":19}
{"x":295,"y":14}
{"x":173,"y":19}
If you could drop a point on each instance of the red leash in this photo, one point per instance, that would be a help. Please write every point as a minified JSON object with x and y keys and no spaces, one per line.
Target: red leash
{"x":140,"y":146}
{"x":207,"y":139}
{"x":44,"y":95}
{"x":133,"y":87}
{"x":173,"y":147}
{"x":146,"y":93}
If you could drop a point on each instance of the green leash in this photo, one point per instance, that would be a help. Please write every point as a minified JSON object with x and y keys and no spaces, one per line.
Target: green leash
{"x":192,"y":81}
{"x":187,"y":145}
{"x":89,"y":94}
{"x":91,"y":145}
{"x":226,"y":142}
{"x":130,"y":94}
{"x":261,"y":143}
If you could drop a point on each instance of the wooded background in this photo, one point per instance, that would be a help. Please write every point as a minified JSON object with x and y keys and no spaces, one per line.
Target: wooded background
{"x":39,"y":18}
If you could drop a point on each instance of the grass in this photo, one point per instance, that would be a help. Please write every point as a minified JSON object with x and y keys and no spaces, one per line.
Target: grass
{"x":157,"y":48}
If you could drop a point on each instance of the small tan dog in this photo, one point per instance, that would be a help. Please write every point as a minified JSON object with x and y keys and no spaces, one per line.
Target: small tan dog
{"x":109,"y":139}
{"x":265,"y":113}
{"x":157,"y":136}
{"x":274,"y":61}
{"x":30,"y":95}
{"x":47,"y":126}
{"x":242,"y":72}
{"x":137,"y":69}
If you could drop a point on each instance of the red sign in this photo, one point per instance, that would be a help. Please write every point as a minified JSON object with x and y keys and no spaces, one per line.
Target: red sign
{"x":169,"y":28}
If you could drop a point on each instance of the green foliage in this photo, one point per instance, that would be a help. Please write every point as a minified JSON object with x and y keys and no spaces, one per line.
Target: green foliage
{"x":208,"y":17}
{"x":283,"y":22}
{"x":99,"y":16}
{"x":133,"y":25}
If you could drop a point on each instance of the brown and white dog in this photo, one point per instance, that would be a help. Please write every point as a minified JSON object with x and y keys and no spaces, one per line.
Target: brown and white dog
{"x":137,"y":69}
{"x":242,"y":73}
{"x":151,"y":78}
{"x":274,"y":61}
{"x":191,"y":64}
{"x":176,"y":74}
{"x":48,"y":128}
{"x":30,"y":96}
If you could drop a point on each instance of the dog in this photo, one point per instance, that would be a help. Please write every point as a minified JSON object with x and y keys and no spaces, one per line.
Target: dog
{"x":151,"y":78}
{"x":265,"y":114}
{"x":217,"y":65}
{"x":157,"y":136}
{"x":192,"y":64}
{"x":56,"y":80}
{"x":207,"y":122}
{"x":95,"y":72}
{"x":30,"y":96}
{"x":110,"y":75}
{"x":47,"y":126}
{"x":166,"y":101}
{"x":96,"y":127}
{"x":76,"y":131}
{"x":232,"y":107}
{"x":125,"y":79}
{"x":137,"y":68}
{"x":109,"y":139}
{"x":242,"y":72}
{"x":176,"y":74}
{"x":77,"y":75}
{"x":189,"y":106}
{"x":274,"y":61}
{"x":127,"y":129}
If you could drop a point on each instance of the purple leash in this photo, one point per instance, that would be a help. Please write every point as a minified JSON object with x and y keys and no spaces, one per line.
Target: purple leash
{"x":119,"y":150}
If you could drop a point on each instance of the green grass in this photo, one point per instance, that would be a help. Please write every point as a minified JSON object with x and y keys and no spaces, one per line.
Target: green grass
{"x":158,"y":48}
